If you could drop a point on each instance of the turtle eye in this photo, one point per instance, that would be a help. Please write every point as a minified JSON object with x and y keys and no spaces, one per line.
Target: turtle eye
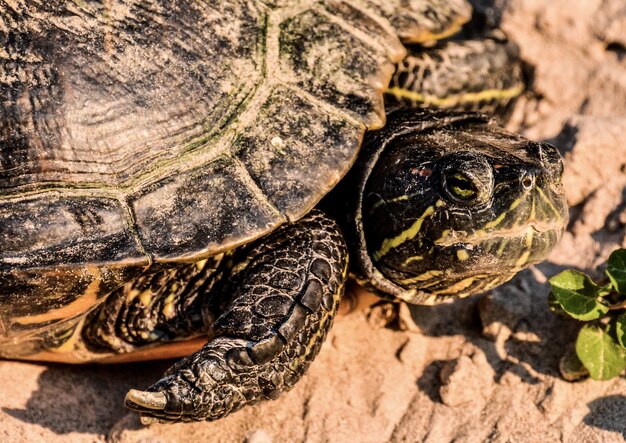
{"x":466,"y":178}
{"x":460,"y":187}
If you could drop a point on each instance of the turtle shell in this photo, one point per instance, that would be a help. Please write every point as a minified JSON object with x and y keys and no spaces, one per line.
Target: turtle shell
{"x":134,"y":132}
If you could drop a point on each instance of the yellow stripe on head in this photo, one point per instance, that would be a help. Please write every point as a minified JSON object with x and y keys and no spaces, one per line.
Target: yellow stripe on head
{"x":550,"y":204}
{"x":408,"y":234}
{"x":422,"y":277}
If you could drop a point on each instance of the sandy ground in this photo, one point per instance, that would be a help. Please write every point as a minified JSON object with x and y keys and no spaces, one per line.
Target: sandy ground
{"x":481,"y":369}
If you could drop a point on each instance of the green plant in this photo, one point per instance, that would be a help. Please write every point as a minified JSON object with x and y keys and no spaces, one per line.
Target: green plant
{"x":601,"y":343}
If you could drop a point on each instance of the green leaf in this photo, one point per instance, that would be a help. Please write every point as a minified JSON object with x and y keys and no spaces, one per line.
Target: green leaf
{"x":598,"y":351}
{"x":616,"y":270}
{"x":578,"y":295}
{"x":620,"y":330}
{"x":606,"y":290}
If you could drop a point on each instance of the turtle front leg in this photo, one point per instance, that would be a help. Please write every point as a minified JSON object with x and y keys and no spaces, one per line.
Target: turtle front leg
{"x":285,"y":293}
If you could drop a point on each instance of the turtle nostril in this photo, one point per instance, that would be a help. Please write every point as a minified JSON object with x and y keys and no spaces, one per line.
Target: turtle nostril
{"x":528,"y":181}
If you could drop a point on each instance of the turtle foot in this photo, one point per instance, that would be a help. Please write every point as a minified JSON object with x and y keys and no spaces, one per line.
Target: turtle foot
{"x":203,"y":386}
{"x":285,"y":294}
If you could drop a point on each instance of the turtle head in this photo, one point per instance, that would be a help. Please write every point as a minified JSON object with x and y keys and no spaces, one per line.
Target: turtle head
{"x":458,"y":210}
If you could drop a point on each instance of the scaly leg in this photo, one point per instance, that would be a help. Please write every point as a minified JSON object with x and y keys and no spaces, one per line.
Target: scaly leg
{"x":162,"y":305}
{"x":285,"y":292}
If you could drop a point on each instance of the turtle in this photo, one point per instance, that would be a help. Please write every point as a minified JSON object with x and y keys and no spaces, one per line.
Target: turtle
{"x":200,"y":179}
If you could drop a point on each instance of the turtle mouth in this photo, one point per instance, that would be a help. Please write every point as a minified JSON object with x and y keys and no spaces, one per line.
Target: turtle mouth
{"x":481,"y":236}
{"x":487,"y":257}
{"x":510,"y":249}
{"x":519,"y":236}
{"x":482,"y":263}
{"x":524,"y":247}
{"x":541,"y":227}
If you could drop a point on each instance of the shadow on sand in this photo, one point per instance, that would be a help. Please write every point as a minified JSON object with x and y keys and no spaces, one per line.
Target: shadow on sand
{"x":607,"y":413}
{"x":530,"y":341}
{"x":85,"y":399}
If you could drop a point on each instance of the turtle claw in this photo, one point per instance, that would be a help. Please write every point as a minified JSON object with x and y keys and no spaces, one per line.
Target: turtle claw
{"x":144,"y":400}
